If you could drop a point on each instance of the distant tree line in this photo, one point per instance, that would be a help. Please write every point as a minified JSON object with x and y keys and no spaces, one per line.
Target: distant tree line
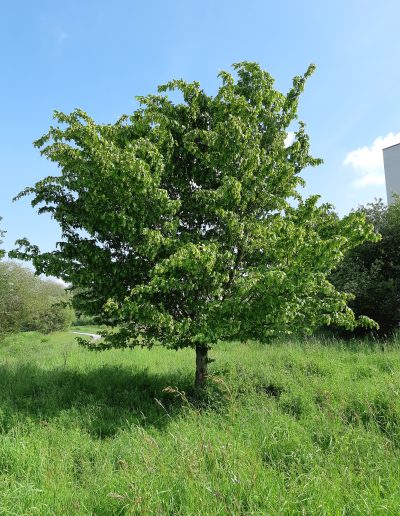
{"x":29,"y":303}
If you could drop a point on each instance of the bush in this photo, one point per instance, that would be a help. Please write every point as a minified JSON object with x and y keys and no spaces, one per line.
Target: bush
{"x":371,"y":271}
{"x":29,"y":303}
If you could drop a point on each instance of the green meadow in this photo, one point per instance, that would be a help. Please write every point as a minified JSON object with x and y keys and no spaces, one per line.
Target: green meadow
{"x":302,"y":427}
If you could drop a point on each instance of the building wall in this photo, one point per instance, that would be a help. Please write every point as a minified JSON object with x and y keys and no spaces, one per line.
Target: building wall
{"x":391,"y":160}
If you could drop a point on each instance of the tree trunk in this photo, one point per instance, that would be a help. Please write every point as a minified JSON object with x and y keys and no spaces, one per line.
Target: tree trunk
{"x":201,"y":367}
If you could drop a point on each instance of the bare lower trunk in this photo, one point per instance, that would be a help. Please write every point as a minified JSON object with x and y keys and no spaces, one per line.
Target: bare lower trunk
{"x":201,"y":367}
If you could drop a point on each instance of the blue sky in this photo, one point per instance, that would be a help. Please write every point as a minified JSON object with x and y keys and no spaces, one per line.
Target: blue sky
{"x":99,"y":55}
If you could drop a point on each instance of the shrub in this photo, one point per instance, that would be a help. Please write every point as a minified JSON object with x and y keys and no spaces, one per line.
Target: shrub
{"x":371,"y":271}
{"x":29,"y":303}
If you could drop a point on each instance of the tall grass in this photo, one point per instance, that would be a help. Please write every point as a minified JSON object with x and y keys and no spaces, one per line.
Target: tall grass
{"x":292,"y":428}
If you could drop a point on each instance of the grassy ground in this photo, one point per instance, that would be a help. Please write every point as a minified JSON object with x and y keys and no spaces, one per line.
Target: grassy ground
{"x":285,"y":429}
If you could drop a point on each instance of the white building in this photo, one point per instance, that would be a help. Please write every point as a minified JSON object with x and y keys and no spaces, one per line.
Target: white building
{"x":391,"y":160}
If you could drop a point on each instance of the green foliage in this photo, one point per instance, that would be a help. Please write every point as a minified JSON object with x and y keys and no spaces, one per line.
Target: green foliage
{"x":371,"y":271}
{"x":182,"y":224}
{"x":82,"y":320}
{"x":291,"y":428}
{"x":28,"y":303}
{"x":2,"y":233}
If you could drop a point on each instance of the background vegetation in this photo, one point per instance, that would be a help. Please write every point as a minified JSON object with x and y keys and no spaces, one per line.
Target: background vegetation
{"x":29,"y":303}
{"x":2,"y":232}
{"x":371,"y":271}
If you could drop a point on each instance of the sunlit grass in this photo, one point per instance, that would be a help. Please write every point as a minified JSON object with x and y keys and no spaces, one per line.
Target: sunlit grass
{"x":291,"y":428}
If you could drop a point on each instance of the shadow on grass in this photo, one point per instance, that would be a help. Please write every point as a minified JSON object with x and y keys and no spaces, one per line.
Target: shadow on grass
{"x":102,"y":401}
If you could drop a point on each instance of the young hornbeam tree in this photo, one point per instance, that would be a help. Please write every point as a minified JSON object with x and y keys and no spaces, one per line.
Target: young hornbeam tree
{"x":182,"y":224}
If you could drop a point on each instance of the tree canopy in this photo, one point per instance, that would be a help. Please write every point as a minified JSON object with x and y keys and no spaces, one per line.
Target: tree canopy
{"x":183,"y":223}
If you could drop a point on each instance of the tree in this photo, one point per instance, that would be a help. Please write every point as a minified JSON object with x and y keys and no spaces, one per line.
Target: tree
{"x":182,"y":223}
{"x":2,"y":233}
{"x":371,"y":271}
{"x":29,"y":303}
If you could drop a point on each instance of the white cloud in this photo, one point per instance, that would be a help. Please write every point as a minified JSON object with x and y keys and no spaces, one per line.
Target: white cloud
{"x":289,"y":138}
{"x":370,"y":180}
{"x":368,"y":161}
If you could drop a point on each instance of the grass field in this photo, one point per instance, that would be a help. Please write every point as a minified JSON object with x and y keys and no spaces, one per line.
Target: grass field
{"x":302,"y":428}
